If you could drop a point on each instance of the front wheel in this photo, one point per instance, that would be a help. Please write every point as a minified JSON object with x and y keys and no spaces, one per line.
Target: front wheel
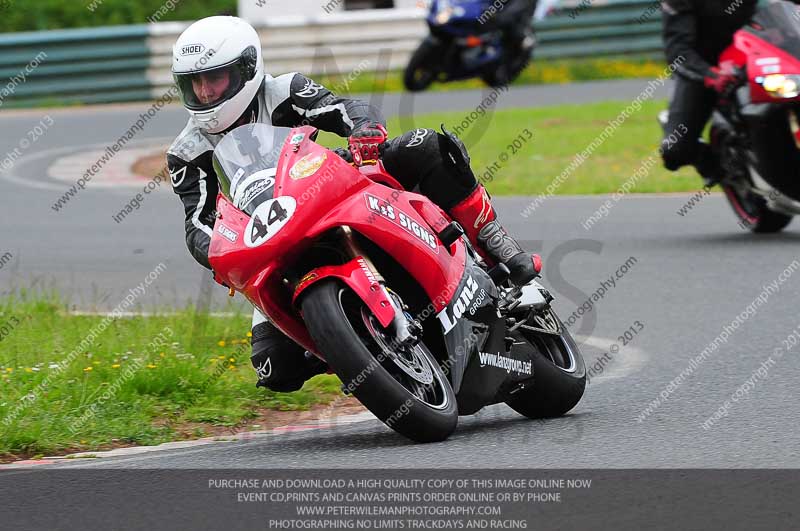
{"x":403,"y":386}
{"x":559,"y":372}
{"x":423,"y":67}
{"x":753,"y":212}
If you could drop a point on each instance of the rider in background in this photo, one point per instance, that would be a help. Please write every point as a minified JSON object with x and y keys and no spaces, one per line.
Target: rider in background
{"x":515,"y":19}
{"x":696,"y":32}
{"x":218,"y":68}
{"x":544,"y":8}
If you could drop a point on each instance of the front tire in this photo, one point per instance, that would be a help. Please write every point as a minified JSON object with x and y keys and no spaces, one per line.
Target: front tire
{"x":344,"y":331}
{"x":423,"y":68}
{"x":559,"y":373}
{"x":753,"y":212}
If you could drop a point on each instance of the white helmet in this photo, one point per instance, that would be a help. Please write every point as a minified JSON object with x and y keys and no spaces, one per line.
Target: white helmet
{"x":218,"y":68}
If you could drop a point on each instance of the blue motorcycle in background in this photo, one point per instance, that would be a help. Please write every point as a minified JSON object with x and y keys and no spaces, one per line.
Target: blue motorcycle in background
{"x":492,"y":40}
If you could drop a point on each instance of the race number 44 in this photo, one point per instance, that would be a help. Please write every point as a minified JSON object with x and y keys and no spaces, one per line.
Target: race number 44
{"x":268,"y":219}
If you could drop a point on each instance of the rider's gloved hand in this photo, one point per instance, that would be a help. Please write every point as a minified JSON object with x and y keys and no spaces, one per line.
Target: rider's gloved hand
{"x":721,"y":79}
{"x":365,"y":143}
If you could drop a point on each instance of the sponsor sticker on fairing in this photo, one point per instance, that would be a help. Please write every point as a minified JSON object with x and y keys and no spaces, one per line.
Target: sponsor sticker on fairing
{"x":507,"y":364}
{"x":398,"y":217}
{"x":367,"y":271}
{"x":307,"y":279}
{"x":462,"y":304}
{"x":228,"y":233}
{"x":307,"y":166}
{"x":244,"y":192}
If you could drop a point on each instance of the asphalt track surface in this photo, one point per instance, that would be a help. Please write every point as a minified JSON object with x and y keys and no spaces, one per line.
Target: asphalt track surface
{"x":690,"y":277}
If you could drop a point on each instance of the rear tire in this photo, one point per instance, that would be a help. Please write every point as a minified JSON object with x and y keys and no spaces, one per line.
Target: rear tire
{"x":332,"y":314}
{"x":753,"y":212}
{"x":508,"y":70}
{"x":559,"y":375}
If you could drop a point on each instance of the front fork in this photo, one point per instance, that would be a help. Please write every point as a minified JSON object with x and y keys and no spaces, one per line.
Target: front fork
{"x":405,"y":330}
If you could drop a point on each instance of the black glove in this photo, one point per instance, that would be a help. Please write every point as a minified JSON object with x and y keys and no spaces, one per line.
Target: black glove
{"x":345,"y":154}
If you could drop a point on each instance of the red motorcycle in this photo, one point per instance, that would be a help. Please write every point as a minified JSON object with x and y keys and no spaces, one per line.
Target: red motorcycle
{"x":755,"y":129}
{"x":383,"y":286}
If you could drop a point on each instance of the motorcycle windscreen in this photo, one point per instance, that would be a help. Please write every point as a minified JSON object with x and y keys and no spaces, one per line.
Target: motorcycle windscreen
{"x":778,"y":23}
{"x":245,"y":161}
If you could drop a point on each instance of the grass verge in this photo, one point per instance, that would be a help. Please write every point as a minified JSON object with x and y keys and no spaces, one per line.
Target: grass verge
{"x":557,"y":134}
{"x":538,"y":72}
{"x":141,"y":381}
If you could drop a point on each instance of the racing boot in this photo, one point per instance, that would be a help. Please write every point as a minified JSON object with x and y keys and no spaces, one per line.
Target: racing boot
{"x":708,"y":165}
{"x":479,"y":221}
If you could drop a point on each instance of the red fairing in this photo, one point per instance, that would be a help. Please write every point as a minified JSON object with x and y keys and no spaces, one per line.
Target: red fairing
{"x":760,"y":59}
{"x":389,"y":218}
{"x":317,"y":192}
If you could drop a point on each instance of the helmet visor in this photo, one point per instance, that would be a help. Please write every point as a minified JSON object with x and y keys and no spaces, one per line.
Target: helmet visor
{"x":205,"y":90}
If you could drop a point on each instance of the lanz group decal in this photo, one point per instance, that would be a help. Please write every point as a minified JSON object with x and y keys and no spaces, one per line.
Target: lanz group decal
{"x":461,"y":304}
{"x":398,"y":217}
{"x":507,"y":364}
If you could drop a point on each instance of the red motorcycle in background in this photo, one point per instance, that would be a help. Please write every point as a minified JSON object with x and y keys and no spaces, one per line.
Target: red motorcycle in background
{"x":384,"y":287}
{"x":755,"y":129}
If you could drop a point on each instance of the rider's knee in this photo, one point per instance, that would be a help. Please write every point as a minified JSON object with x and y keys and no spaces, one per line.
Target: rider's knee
{"x":284,"y":385}
{"x":278,"y":361}
{"x":439,"y":162}
{"x":454,"y":156}
{"x":410,"y":153}
{"x":421,"y":139}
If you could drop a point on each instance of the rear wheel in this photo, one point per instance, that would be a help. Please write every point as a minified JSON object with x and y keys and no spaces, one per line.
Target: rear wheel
{"x":403,"y":386}
{"x":559,"y":372}
{"x":508,"y":69}
{"x":753,"y":212}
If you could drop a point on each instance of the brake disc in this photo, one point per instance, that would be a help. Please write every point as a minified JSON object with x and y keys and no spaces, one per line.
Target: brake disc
{"x":411,"y":359}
